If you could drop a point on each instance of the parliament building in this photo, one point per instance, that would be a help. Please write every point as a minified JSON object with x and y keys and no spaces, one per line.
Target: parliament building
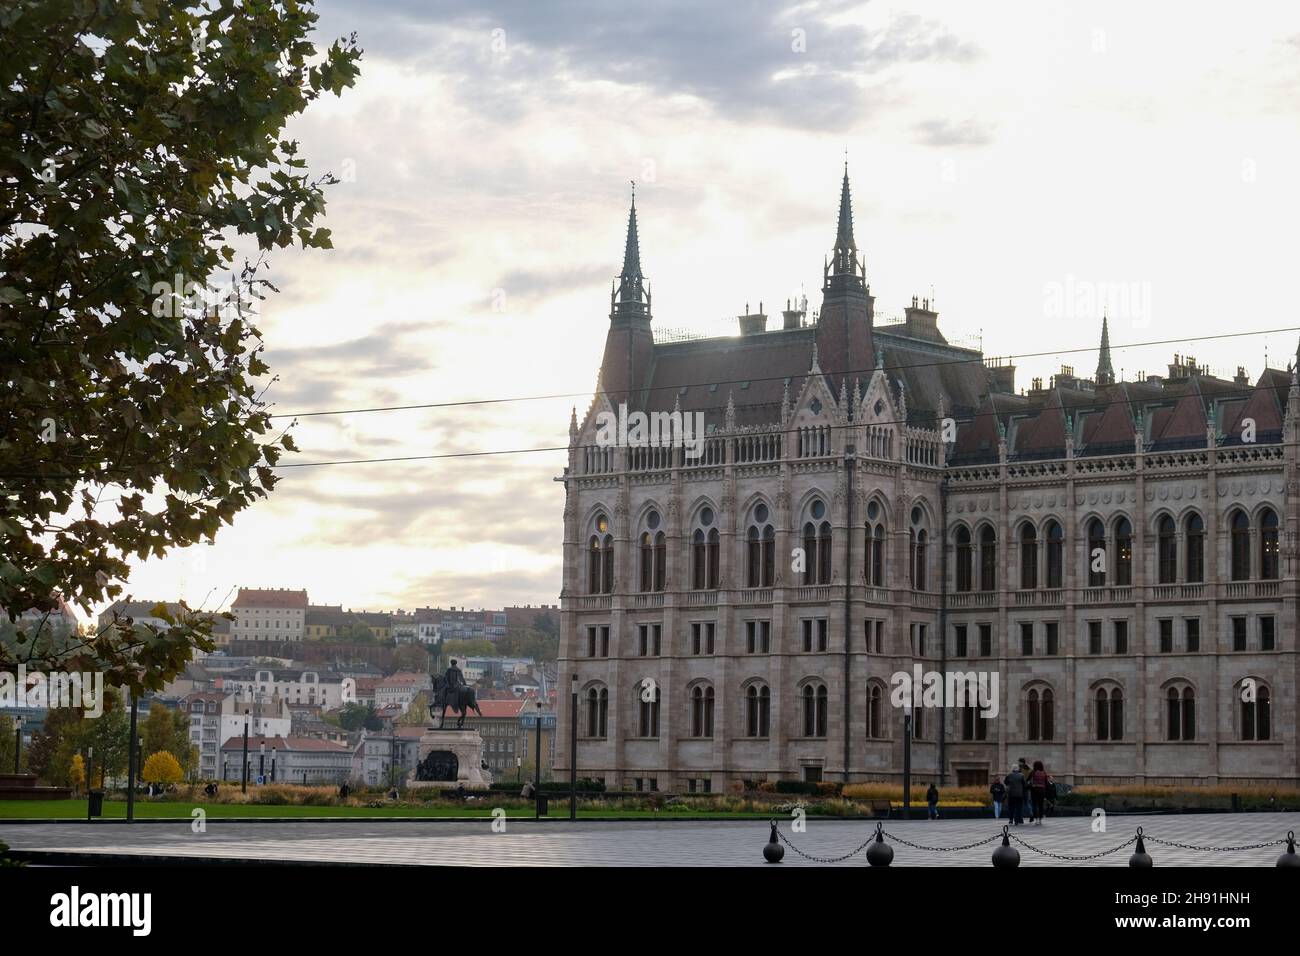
{"x":871,"y":497}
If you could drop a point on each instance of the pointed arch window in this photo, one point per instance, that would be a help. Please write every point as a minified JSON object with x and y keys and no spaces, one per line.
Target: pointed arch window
{"x":1028,"y":557}
{"x":1239,"y":526}
{"x":815,"y":710}
{"x":600,"y":558}
{"x":648,"y":710}
{"x":874,"y":566}
{"x":705,"y":552}
{"x":1096,"y":553}
{"x":1268,"y":549}
{"x":758,"y":710}
{"x":702,"y":711}
{"x":760,"y":546}
{"x":597,"y":711}
{"x":817,"y":546}
{"x":1194,"y":549}
{"x":916,"y":543}
{"x":965,"y":559}
{"x":1055,"y":555}
{"x":1180,"y":714}
{"x":1166,"y":551}
{"x":875,"y":705}
{"x":1040,"y":714}
{"x":1109,"y":714}
{"x":1256,"y":713}
{"x":1123,"y":553}
{"x":988,"y":559}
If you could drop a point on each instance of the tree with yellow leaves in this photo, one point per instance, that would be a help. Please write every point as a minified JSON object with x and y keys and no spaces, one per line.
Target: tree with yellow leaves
{"x":162,"y":767}
{"x":77,"y":773}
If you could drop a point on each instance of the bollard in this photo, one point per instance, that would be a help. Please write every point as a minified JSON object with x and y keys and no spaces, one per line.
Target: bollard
{"x":881,"y":853}
{"x":1140,"y":858}
{"x":774,"y":850}
{"x":1006,"y":854}
{"x":1289,"y":858}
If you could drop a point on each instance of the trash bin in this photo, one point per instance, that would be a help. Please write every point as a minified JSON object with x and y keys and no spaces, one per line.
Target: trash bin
{"x":541,"y":804}
{"x":96,"y":803}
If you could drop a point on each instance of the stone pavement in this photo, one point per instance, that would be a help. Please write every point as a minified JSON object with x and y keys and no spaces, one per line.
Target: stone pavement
{"x":653,"y":843}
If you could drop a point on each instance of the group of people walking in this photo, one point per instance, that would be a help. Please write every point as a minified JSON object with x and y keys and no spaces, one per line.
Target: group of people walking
{"x":1025,"y":791}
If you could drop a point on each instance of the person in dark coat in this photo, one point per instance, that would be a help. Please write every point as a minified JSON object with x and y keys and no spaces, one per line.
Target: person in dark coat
{"x":932,"y":798}
{"x":998,"y":791}
{"x":1015,"y":784}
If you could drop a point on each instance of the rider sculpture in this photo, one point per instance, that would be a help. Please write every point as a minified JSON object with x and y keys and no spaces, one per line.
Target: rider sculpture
{"x":450,"y":690}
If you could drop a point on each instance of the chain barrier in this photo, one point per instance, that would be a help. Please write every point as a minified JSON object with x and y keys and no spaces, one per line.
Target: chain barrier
{"x":1065,"y":857}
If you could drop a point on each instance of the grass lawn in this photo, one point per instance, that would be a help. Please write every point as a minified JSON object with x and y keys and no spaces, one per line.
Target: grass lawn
{"x":144,"y":809}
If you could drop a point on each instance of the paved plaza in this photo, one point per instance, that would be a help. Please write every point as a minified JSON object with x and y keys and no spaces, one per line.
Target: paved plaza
{"x":652,"y":843}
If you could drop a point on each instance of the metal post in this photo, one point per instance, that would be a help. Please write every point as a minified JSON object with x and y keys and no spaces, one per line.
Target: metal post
{"x":261,"y":760}
{"x":244,"y":785}
{"x":18,"y":741}
{"x":273,"y":764}
{"x":90,"y":778}
{"x":130,"y":764}
{"x":573,"y":747}
{"x":907,"y":760}
{"x":537,"y":768}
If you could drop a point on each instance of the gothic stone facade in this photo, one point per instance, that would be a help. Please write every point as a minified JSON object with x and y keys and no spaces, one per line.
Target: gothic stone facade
{"x":1121,"y":555}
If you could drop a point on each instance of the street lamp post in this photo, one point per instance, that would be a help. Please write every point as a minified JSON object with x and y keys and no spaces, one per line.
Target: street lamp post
{"x":573,"y":746}
{"x":18,"y":741}
{"x":537,"y":767}
{"x":907,"y":759}
{"x":273,"y":763}
{"x":243,"y":787}
{"x":519,"y":769}
{"x":130,"y":762}
{"x":261,"y":760}
{"x":90,"y":778}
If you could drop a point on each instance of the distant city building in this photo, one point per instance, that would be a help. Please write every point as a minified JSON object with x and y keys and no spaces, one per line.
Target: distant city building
{"x":499,"y":727}
{"x":269,"y":615}
{"x":295,"y":686}
{"x":303,"y":760}
{"x":400,"y":689}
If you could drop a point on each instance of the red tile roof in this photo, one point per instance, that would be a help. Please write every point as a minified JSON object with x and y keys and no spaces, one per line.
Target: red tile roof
{"x":500,"y":708}
{"x":267,"y":597}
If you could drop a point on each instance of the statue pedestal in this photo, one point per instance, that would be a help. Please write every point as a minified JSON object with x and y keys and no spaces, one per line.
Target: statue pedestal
{"x":450,"y":759}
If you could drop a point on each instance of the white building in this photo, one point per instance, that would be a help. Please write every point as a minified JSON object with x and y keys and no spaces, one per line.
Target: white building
{"x":263,"y":614}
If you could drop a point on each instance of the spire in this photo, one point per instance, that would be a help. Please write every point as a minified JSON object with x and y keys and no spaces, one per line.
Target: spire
{"x":845,"y":271}
{"x":630,"y":297}
{"x":1105,"y":371}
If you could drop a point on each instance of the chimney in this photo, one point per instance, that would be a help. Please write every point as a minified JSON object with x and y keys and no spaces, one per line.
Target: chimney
{"x":793,"y":318}
{"x":1002,"y":375}
{"x":922,"y":322}
{"x":751,"y":323}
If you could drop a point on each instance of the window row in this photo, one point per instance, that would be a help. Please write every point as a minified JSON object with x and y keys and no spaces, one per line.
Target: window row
{"x":1106,"y":716}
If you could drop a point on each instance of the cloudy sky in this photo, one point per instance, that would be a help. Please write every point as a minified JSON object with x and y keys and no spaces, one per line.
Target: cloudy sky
{"x":1018,"y":162}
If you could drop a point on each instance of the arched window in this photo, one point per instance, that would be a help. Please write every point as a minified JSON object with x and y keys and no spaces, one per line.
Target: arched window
{"x":1239,"y":525}
{"x":814,"y":710}
{"x":875,"y":720}
{"x":760,"y":544}
{"x":654,"y":554}
{"x":758,"y":710}
{"x":702,"y":711}
{"x":1256,"y":715}
{"x":1055,"y":555}
{"x":1180,"y":713}
{"x":873,"y":568}
{"x":1110,"y":714}
{"x":647,"y":697}
{"x":1123,"y":552}
{"x":988,"y":559}
{"x":973,"y":726}
{"x":1166,"y":551}
{"x":600,"y":557}
{"x":916,"y":542}
{"x":1194,"y":545}
{"x":965,"y":559}
{"x":1268,"y":563}
{"x":1039,"y":715}
{"x":597,"y":711}
{"x":1028,"y":557}
{"x":704,"y":552}
{"x":1096,"y":553}
{"x":817,"y":546}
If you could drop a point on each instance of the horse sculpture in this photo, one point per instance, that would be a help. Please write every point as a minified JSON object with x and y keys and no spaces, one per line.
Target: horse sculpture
{"x":461,"y":699}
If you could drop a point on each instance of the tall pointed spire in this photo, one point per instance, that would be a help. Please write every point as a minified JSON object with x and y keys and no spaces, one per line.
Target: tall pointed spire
{"x":630,"y":296}
{"x":845,"y":271}
{"x":1105,"y":371}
